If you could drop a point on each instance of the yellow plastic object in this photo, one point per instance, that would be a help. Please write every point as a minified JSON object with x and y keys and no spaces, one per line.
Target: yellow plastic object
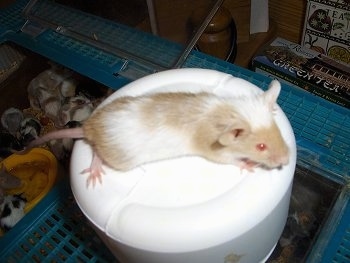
{"x":37,"y":171}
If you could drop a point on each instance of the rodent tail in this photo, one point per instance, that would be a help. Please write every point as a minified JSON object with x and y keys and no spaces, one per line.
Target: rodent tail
{"x":74,"y":133}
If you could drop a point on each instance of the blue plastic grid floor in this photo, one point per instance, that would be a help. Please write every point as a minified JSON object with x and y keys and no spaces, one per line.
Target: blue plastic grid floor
{"x":54,"y":231}
{"x":322,"y":128}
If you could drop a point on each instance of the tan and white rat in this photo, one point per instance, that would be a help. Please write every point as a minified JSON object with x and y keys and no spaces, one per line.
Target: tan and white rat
{"x":131,"y":131}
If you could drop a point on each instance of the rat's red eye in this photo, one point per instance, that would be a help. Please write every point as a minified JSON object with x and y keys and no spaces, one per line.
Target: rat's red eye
{"x":261,"y":147}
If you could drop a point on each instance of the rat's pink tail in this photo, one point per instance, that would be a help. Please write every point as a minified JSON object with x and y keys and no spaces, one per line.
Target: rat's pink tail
{"x":74,"y":133}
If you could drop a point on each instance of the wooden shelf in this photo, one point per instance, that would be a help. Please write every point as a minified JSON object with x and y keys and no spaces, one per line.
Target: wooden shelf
{"x":247,"y":50}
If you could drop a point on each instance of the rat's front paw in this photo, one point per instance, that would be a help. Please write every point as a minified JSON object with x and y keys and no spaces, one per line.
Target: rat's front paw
{"x":248,"y":165}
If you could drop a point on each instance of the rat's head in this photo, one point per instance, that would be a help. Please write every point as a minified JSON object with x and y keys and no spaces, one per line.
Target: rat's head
{"x":253,"y":133}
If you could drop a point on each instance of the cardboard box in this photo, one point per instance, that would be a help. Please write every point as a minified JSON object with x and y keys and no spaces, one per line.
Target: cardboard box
{"x":327,"y":28}
{"x":306,"y":69}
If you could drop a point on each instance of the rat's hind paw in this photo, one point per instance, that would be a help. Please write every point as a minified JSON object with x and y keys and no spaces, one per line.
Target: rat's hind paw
{"x":93,"y":177}
{"x":95,"y":171}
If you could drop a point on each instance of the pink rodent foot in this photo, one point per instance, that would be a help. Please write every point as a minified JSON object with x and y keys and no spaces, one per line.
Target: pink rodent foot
{"x":95,"y":171}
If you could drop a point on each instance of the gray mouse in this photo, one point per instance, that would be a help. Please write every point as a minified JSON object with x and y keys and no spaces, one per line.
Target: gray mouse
{"x":131,"y":131}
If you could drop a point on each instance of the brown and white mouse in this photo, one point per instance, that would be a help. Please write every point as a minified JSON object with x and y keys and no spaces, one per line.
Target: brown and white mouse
{"x":131,"y":131}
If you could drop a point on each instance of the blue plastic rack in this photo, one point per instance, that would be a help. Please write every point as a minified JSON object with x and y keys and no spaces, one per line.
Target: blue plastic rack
{"x":321,"y":128}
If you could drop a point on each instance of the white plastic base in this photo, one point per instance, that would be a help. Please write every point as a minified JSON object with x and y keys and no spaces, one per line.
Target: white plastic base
{"x":187,"y":209}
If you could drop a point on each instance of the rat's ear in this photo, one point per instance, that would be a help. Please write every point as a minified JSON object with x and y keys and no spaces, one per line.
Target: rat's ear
{"x":271,"y":95}
{"x":235,"y":132}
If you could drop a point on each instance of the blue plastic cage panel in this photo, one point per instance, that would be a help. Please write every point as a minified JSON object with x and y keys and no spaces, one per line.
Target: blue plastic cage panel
{"x":117,"y":53}
{"x":108,"y":52}
{"x":55,"y":230}
{"x":115,"y":35}
{"x":333,"y":243}
{"x":106,"y":34}
{"x":11,"y":19}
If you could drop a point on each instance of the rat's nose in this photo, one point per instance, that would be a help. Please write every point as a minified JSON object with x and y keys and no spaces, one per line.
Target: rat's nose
{"x":285,"y":159}
{"x":279,"y":160}
{"x":281,"y":156}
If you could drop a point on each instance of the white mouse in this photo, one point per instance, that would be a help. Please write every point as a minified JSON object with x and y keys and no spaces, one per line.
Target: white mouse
{"x":131,"y":131}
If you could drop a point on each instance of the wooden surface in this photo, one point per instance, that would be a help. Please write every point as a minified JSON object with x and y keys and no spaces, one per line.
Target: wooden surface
{"x":289,"y":17}
{"x":173,"y":18}
{"x":240,"y":11}
{"x":247,"y":50}
{"x":216,"y":39}
{"x":286,"y":21}
{"x":5,"y":3}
